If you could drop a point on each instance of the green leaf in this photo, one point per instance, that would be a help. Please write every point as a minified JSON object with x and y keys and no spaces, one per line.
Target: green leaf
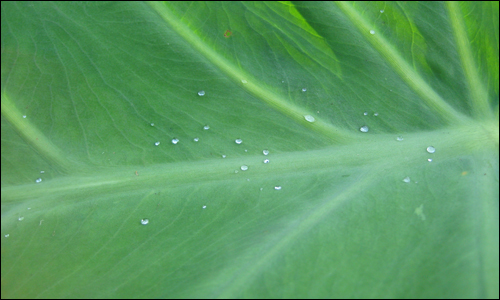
{"x":88,"y":88}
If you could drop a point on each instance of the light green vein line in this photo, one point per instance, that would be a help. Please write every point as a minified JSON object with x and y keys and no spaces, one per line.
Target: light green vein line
{"x":478,"y":93}
{"x":253,"y":86}
{"x":407,"y":73}
{"x":32,"y":135}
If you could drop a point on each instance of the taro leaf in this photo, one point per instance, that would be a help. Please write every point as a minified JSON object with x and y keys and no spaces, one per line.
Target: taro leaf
{"x":88,"y":88}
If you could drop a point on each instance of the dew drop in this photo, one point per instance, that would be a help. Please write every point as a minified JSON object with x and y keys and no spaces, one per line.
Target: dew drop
{"x":304,"y":89}
{"x":365,"y":113}
{"x":196,"y":139}
{"x":261,"y":189}
{"x":204,"y":206}
{"x":238,"y":141}
{"x":157,"y":143}
{"x":29,"y":208}
{"x":381,"y":11}
{"x":244,"y":167}
{"x":223,"y":156}
{"x":429,"y":159}
{"x":38,"y":180}
{"x":375,"y":114}
{"x":7,"y":235}
{"x":243,"y":81}
{"x":24,"y":117}
{"x":152,"y":124}
{"x":406,"y":179}
{"x":21,"y":218}
{"x":175,"y":141}
{"x":41,"y":172}
{"x":201,"y":93}
{"x":278,"y":187}
{"x":372,"y":31}
{"x":265,"y":152}
{"x":364,"y":128}
{"x":144,"y":221}
{"x":431,"y":149}
{"x":266,"y":161}
{"x":206,"y":127}
{"x":246,"y":150}
{"x":309,"y":118}
{"x":399,"y":138}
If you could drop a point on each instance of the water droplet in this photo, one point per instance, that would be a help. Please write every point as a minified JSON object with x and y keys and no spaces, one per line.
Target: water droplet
{"x":309,"y":118}
{"x":201,"y":93}
{"x":399,"y":138}
{"x":29,"y":208}
{"x":304,"y":89}
{"x":21,"y":218}
{"x":196,"y":139}
{"x":206,"y":127}
{"x":41,"y":172}
{"x":365,"y":113}
{"x":7,"y":235}
{"x":375,"y":114}
{"x":372,"y":31}
{"x":204,"y":206}
{"x":381,"y":11}
{"x":223,"y":156}
{"x":278,"y":187}
{"x":429,"y":159}
{"x":244,"y":168}
{"x":152,"y":124}
{"x":261,"y":189}
{"x":175,"y":141}
{"x":266,"y":161}
{"x":238,"y":141}
{"x":364,"y":128}
{"x":282,"y":81}
{"x":38,"y":180}
{"x":157,"y":143}
{"x":235,"y":171}
{"x":243,"y":81}
{"x":265,"y":152}
{"x":431,"y":149}
{"x":144,"y":221}
{"x":24,"y":117}
{"x":246,"y":150}
{"x":406,"y":179}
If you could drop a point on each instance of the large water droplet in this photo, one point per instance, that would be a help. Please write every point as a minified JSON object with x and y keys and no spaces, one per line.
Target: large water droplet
{"x":431,"y":149}
{"x":238,"y":141}
{"x":372,"y":31}
{"x":278,"y":187}
{"x":266,"y":161}
{"x":196,"y":139}
{"x":304,"y":90}
{"x":309,"y":118}
{"x":399,"y":138}
{"x":38,"y":180}
{"x":206,"y":127}
{"x":244,"y":167}
{"x":265,"y":152}
{"x":201,"y":93}
{"x":144,"y":221}
{"x":175,"y":141}
{"x":406,"y":179}
{"x":364,"y":129}
{"x":21,"y":218}
{"x":157,"y":143}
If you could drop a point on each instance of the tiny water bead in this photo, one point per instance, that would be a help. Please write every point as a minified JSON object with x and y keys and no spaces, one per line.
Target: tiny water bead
{"x":265,"y":152}
{"x":266,"y":161}
{"x":223,"y":156}
{"x":278,"y":187}
{"x":399,"y":138}
{"x":7,"y":235}
{"x":372,"y":31}
{"x":406,"y":179}
{"x":24,"y":117}
{"x":204,"y":206}
{"x":375,"y":114}
{"x":244,"y":167}
{"x":144,"y":221}
{"x":41,"y":172}
{"x":157,"y":143}
{"x":152,"y":124}
{"x":175,"y":141}
{"x":201,"y":93}
{"x":21,"y":218}
{"x":429,"y":159}
{"x":365,"y":113}
{"x":206,"y":127}
{"x":304,"y":89}
{"x":431,"y":149}
{"x":196,"y":139}
{"x":243,"y":81}
{"x":381,"y":11}
{"x":364,"y":129}
{"x":38,"y":180}
{"x":309,"y":118}
{"x":238,"y":141}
